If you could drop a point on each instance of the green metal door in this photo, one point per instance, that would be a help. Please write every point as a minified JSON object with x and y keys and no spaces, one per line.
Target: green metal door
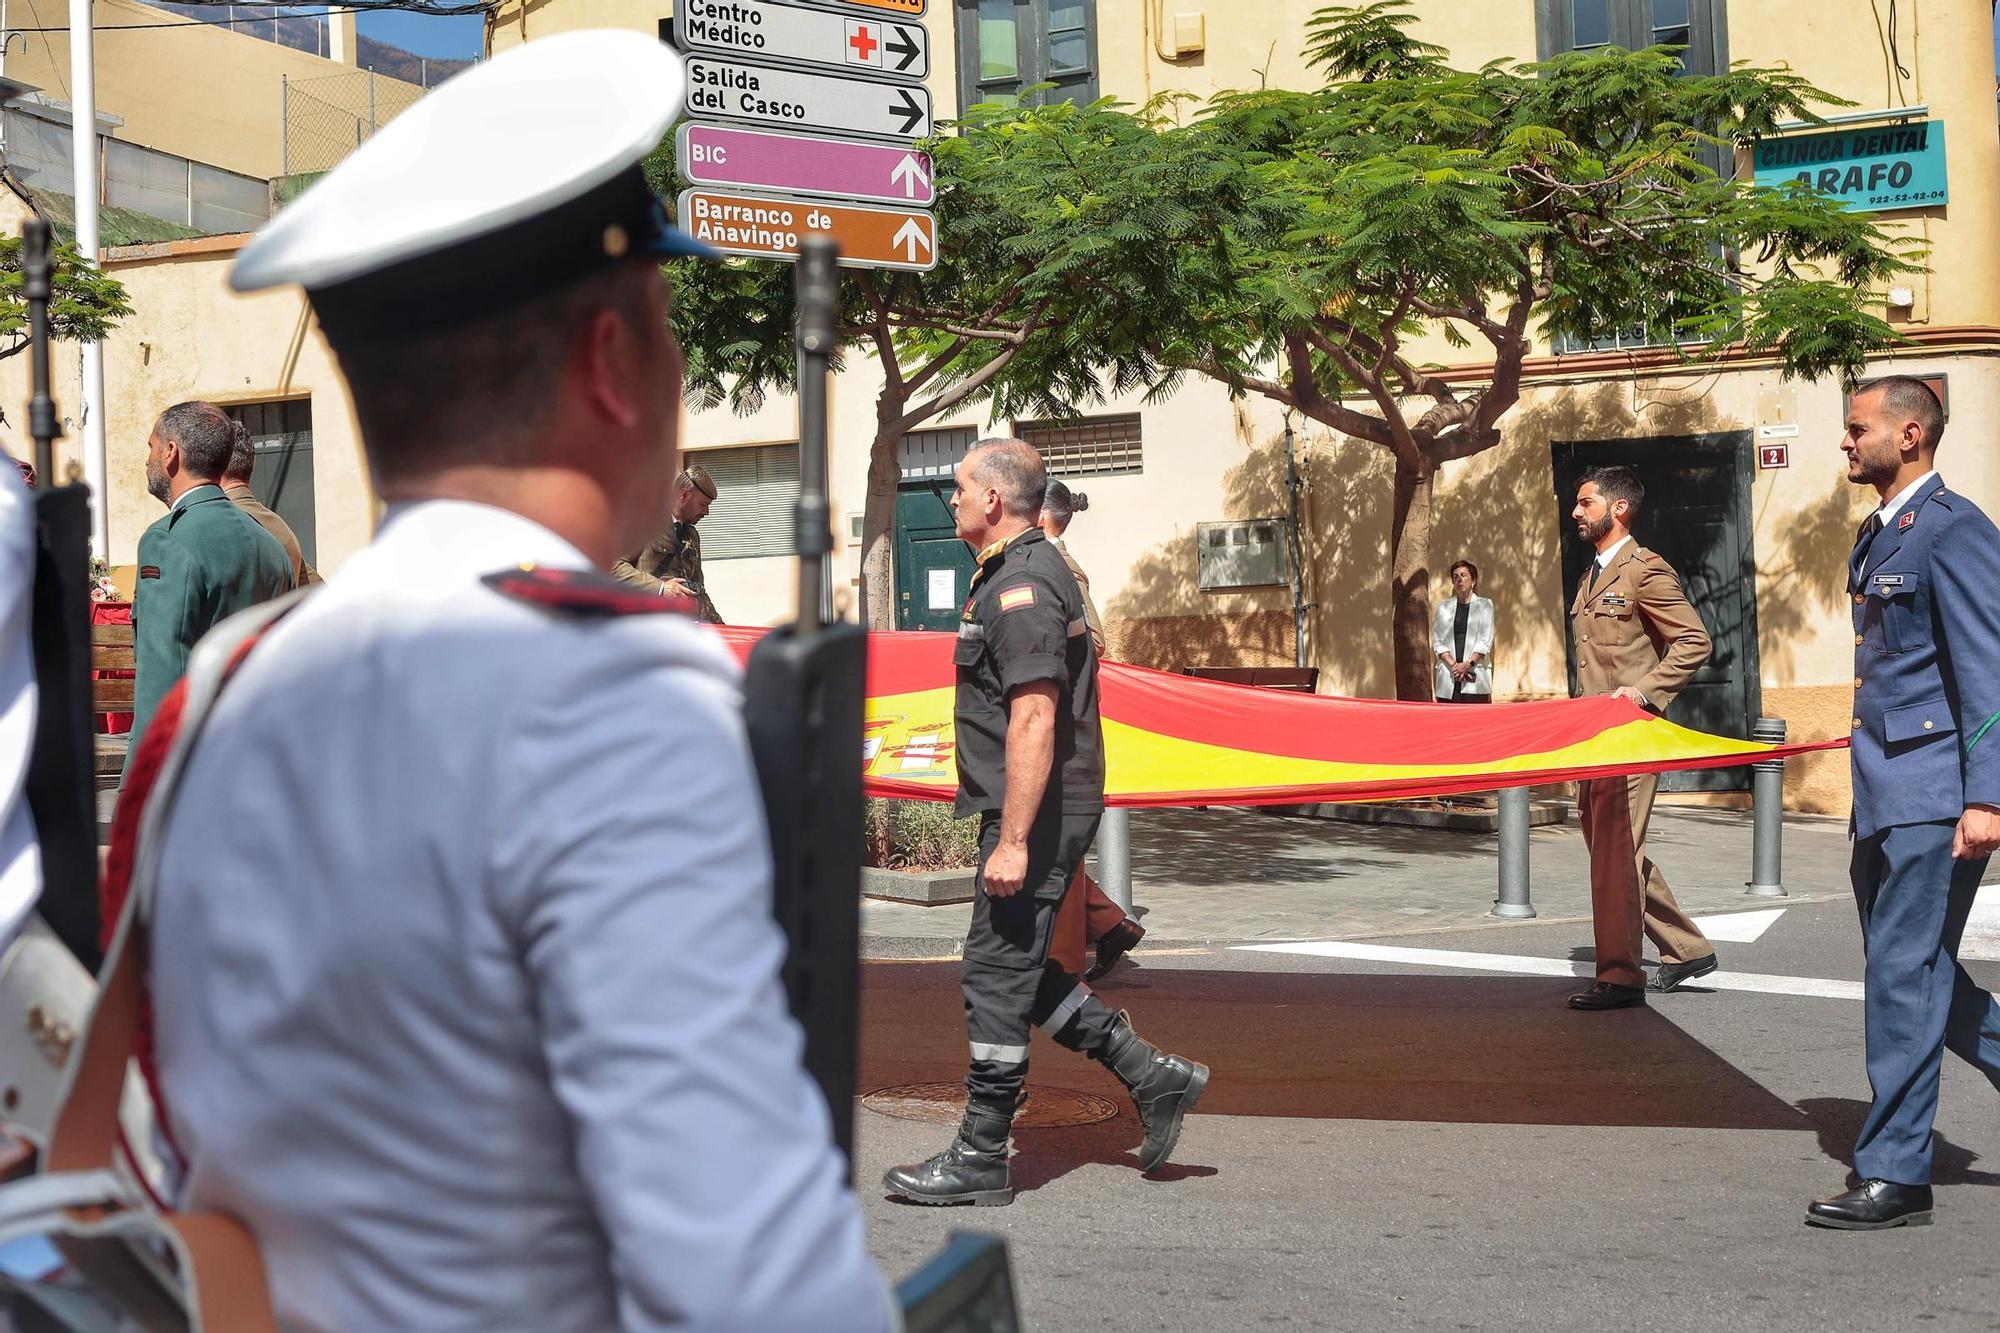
{"x":1697,"y":516}
{"x":933,"y":567}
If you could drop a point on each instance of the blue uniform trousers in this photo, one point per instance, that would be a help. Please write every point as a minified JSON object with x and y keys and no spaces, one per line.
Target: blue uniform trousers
{"x":1913,"y":899}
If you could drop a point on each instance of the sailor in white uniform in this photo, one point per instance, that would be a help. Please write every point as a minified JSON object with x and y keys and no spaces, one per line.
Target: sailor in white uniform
{"x":20,"y":860}
{"x":473,"y":1021}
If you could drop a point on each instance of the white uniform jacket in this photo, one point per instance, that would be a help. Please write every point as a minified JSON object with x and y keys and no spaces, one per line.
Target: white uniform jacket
{"x":20,"y":857}
{"x":1478,"y":639}
{"x":465,"y":975}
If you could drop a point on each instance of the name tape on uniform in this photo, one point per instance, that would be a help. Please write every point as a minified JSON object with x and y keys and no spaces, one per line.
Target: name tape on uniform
{"x":737,"y":158}
{"x":728,"y":90}
{"x":772,"y":228}
{"x":765,"y":30}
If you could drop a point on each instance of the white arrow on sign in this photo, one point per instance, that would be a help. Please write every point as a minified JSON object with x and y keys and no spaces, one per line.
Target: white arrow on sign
{"x":909,"y":173}
{"x":772,"y":30}
{"x":909,"y":237}
{"x":732,"y":90}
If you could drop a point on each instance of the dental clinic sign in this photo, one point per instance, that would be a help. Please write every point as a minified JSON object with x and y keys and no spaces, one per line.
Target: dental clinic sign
{"x":1870,"y":170}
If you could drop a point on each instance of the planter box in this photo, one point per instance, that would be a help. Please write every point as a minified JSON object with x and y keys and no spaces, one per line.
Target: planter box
{"x":1540,"y":813}
{"x":925,"y":887}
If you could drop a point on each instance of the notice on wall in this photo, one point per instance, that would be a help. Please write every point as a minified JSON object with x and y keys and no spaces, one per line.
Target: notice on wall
{"x":942,"y":590}
{"x":1870,"y":170}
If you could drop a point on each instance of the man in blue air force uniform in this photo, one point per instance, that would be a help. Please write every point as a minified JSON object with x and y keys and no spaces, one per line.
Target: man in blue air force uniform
{"x":1926,"y":754}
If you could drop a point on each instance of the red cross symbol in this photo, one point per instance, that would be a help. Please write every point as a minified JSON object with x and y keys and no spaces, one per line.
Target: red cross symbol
{"x":864,"y":45}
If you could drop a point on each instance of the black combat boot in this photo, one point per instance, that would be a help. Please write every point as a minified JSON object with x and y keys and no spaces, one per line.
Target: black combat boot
{"x":972,"y":1170}
{"x":1163,"y":1087}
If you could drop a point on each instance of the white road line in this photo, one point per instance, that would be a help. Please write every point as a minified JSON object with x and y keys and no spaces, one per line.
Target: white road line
{"x":1982,"y":928}
{"x":1523,"y":965}
{"x":1739,"y":927}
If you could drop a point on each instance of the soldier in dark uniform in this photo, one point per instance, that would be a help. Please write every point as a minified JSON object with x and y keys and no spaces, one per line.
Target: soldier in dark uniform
{"x":1031,"y":766}
{"x":671,"y":564}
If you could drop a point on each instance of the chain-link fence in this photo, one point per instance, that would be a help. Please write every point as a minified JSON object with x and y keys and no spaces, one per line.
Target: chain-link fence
{"x":327,"y":118}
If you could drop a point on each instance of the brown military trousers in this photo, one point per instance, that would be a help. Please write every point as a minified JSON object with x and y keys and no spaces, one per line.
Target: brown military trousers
{"x":1628,"y":894}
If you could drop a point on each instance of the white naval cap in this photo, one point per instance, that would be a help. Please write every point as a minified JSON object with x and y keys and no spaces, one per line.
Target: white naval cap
{"x":510,"y":180}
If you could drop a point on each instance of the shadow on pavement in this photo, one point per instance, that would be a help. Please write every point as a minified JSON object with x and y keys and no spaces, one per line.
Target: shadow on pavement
{"x":1837,"y":1120}
{"x":1477,"y":1050}
{"x":1200,"y":848}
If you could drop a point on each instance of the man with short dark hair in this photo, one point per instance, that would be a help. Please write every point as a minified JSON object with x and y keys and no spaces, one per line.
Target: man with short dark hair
{"x":1926,"y":757}
{"x":200,"y":564}
{"x":236,"y":485}
{"x":1639,"y":639}
{"x":1031,"y":766}
{"x":670,"y":564}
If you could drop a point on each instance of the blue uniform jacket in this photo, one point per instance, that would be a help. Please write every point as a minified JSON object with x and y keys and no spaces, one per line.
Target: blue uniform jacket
{"x":1927,"y":665}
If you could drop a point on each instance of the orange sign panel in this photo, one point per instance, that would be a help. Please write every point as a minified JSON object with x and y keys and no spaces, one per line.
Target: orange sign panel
{"x":912,"y":8}
{"x":768,"y":227}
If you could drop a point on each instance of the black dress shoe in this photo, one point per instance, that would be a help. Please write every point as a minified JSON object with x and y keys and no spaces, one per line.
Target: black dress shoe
{"x":1606,"y":995}
{"x":1672,"y":976}
{"x":1872,"y":1206}
{"x":1113,"y":945}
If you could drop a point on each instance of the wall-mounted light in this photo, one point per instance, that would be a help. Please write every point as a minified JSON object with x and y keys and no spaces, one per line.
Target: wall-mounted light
{"x":1902,"y":298}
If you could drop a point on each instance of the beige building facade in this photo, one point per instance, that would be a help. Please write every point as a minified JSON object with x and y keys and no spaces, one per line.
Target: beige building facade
{"x":1165,"y":479}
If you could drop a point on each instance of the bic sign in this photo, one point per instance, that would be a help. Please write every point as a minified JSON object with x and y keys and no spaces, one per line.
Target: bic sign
{"x":1774,"y":455}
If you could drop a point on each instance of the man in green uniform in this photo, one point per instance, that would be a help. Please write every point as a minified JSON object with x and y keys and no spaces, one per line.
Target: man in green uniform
{"x":203,"y":562}
{"x":671,"y":564}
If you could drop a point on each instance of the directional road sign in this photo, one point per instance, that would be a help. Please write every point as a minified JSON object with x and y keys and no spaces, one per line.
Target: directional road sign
{"x":824,"y":168}
{"x":745,"y":224}
{"x":762,"y":30}
{"x":794,"y":99}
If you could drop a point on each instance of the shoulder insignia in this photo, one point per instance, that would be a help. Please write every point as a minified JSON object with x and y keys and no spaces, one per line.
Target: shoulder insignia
{"x":1018,"y":598}
{"x":582,"y":593}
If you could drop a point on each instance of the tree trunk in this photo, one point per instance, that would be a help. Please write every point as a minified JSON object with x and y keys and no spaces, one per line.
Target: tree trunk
{"x":1410,"y":542}
{"x":878,"y":521}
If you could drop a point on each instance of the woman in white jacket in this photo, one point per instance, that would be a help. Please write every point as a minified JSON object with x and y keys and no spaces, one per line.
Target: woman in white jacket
{"x":1462,"y":638}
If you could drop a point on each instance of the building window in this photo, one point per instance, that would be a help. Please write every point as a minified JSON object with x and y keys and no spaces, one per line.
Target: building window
{"x":1581,"y":25}
{"x":282,"y":477}
{"x":755,"y":490}
{"x":933,"y":455}
{"x":1090,"y":447}
{"x":1005,"y":46}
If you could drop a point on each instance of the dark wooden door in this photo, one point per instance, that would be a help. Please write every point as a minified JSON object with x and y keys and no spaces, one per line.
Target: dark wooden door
{"x":933,"y":567}
{"x":1697,"y":515}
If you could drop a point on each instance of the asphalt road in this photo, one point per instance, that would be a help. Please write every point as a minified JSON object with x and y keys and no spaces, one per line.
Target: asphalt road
{"x":1391,"y":1143}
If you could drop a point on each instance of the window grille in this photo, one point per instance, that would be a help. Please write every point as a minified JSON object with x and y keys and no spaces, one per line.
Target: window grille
{"x":756,"y":487}
{"x":1090,"y":447}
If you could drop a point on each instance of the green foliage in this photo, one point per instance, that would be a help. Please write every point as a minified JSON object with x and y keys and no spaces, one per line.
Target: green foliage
{"x":86,"y":305}
{"x":918,"y":835}
{"x":1576,"y":195}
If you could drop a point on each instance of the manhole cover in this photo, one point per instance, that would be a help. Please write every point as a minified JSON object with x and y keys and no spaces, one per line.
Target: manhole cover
{"x":944,"y":1104}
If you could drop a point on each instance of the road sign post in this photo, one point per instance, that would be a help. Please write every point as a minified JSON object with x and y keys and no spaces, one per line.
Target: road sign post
{"x":798,"y":99}
{"x":767,"y":228}
{"x":769,"y":30}
{"x":743,"y":159}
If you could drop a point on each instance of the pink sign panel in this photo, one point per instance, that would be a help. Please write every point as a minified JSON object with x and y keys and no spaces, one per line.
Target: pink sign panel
{"x":795,"y":164}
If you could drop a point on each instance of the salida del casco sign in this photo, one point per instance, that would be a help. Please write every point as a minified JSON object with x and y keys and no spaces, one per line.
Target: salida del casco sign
{"x":1870,"y":170}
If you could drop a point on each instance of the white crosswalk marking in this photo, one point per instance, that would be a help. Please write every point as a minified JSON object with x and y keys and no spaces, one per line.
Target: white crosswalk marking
{"x":1739,"y":927}
{"x":1523,"y":965}
{"x":1982,"y":928}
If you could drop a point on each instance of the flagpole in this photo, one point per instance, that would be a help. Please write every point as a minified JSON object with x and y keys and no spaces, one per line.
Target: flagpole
{"x":83,"y":132}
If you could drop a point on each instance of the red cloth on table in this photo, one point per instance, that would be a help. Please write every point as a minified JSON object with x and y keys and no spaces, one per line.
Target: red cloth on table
{"x":112,"y":613}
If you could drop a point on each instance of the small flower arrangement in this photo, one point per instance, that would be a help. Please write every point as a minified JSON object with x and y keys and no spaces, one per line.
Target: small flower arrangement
{"x":102,"y":589}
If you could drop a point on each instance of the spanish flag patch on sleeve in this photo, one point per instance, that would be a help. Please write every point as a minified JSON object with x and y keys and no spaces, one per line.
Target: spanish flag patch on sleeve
{"x":1015,"y":598}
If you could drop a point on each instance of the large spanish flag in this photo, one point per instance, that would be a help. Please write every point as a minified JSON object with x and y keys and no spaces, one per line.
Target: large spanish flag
{"x":1175,"y":740}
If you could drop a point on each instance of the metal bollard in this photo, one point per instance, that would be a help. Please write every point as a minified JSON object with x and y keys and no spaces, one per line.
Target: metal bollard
{"x":1114,"y":856}
{"x":1513,"y":900}
{"x":1767,"y":830}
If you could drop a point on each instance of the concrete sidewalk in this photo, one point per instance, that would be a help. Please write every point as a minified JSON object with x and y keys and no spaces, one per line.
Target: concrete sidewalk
{"x":1218,"y":875}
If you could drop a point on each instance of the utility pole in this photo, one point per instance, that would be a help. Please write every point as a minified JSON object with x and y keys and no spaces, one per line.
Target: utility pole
{"x":83,"y":141}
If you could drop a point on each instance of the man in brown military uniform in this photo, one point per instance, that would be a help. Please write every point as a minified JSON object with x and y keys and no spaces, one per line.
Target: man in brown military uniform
{"x":236,"y":485}
{"x":1637,"y":638}
{"x":671,"y":563}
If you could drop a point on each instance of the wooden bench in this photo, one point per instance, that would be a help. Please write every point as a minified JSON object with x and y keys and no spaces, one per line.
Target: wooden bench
{"x":111,"y":650}
{"x":1300,"y":680}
